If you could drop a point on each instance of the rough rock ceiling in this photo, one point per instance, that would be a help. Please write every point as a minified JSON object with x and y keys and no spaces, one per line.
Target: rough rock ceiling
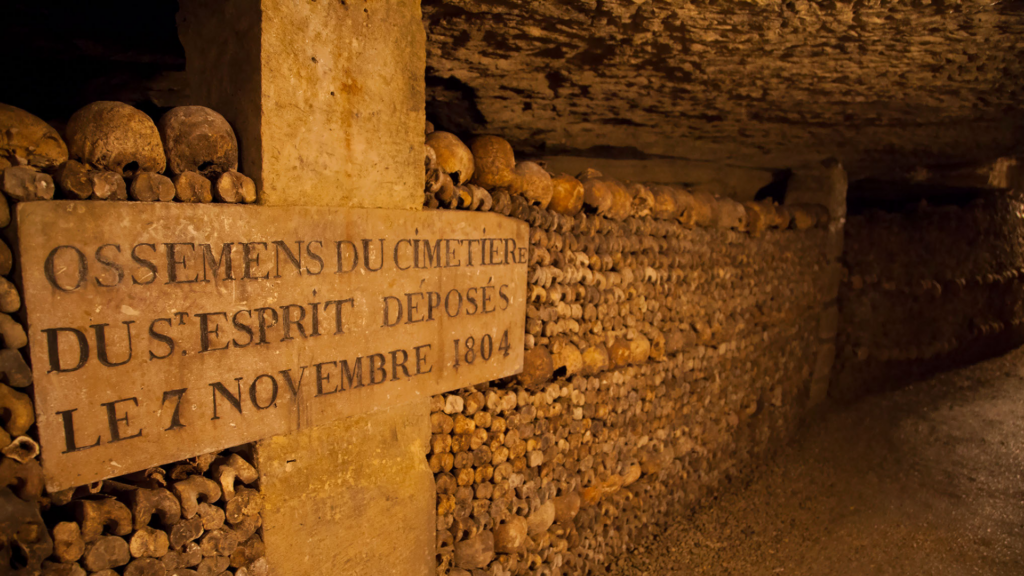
{"x":882,"y":85}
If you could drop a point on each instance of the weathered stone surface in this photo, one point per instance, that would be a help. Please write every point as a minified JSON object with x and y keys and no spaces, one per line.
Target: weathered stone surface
{"x":326,"y":97}
{"x":336,"y":494}
{"x":161,"y":331}
{"x":879,"y":85}
{"x":732,"y":181}
{"x":927,"y":289}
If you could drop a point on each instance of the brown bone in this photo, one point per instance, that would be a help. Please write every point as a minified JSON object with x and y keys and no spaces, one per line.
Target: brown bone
{"x":68,"y":544}
{"x":185,"y":531}
{"x":22,"y":528}
{"x":537,"y":367}
{"x":10,"y":301}
{"x":96,"y":515}
{"x":510,"y":537}
{"x":24,"y":138}
{"x":248,"y":526}
{"x":23,"y":183}
{"x":145,"y":502}
{"x":566,"y":195}
{"x":74,"y":180}
{"x":107,"y":185}
{"x":454,"y":157}
{"x":193,"y":187}
{"x":234,"y":468}
{"x":198,"y":139}
{"x":105,"y":553}
{"x":598,"y":195}
{"x":190,"y":490}
{"x":494,"y":160}
{"x":148,"y":543}
{"x":541,"y":518}
{"x":234,"y":187}
{"x":18,"y":408}
{"x":619,"y":353}
{"x":595,"y":359}
{"x":13,"y":333}
{"x":622,"y":200}
{"x":803,"y":217}
{"x":247,"y":502}
{"x":760,"y":217}
{"x":247,"y":552}
{"x":213,"y":566}
{"x":117,"y":137}
{"x":730,"y":215}
{"x":22,"y":449}
{"x":665,"y":205}
{"x":567,"y":507}
{"x":213,"y":516}
{"x":643,"y":200}
{"x":476,"y":552}
{"x":26,"y":478}
{"x":533,"y":183}
{"x":219,"y":543}
{"x":152,"y":187}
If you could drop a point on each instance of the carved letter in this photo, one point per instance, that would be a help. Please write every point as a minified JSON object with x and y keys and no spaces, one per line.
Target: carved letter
{"x":53,"y":349}
{"x":69,"y":432}
{"x":51,"y":275}
{"x":113,"y":421}
{"x":101,"y":344}
{"x":176,"y":415}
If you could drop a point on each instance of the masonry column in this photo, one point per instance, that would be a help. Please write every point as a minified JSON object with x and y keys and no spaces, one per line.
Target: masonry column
{"x":824,"y":183}
{"x":327,"y":99}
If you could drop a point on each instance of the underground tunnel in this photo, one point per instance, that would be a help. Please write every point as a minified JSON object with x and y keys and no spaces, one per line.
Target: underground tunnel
{"x":617,"y":288}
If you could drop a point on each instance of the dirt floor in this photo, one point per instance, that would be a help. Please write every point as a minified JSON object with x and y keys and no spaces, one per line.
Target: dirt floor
{"x":924,"y":481}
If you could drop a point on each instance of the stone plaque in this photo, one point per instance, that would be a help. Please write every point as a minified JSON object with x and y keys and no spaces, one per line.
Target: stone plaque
{"x":162,"y":331}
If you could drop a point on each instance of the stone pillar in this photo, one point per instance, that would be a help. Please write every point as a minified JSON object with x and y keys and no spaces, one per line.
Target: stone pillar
{"x":327,"y":99}
{"x":824,"y":183}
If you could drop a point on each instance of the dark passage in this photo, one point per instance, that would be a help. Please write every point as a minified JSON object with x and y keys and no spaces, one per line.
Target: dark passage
{"x":923,"y":481}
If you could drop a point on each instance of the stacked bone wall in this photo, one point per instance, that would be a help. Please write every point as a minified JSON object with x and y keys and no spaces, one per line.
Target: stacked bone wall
{"x":199,"y":517}
{"x":664,"y":351}
{"x":929,"y":288}
{"x":562,"y":475}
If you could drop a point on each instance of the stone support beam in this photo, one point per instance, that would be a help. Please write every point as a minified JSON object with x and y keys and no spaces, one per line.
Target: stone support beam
{"x":327,"y":100}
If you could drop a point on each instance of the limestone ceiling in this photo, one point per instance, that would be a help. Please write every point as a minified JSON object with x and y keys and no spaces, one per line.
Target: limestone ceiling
{"x":882,"y":85}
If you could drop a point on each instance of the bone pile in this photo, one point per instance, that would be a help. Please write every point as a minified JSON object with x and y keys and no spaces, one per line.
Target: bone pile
{"x":671,"y":337}
{"x":194,"y":518}
{"x":927,"y":289}
{"x":115,"y":152}
{"x":200,"y":517}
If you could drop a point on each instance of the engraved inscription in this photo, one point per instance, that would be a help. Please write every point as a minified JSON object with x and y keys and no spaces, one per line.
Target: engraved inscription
{"x":162,"y":331}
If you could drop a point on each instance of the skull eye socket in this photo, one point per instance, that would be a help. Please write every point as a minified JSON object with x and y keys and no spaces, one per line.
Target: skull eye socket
{"x":130,"y":168}
{"x":19,"y":555}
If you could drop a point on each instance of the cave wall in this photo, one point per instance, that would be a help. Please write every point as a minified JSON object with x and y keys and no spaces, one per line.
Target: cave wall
{"x":883,"y":86}
{"x":666,"y":350}
{"x":202,"y":515}
{"x":724,"y":330}
{"x":929,"y":288}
